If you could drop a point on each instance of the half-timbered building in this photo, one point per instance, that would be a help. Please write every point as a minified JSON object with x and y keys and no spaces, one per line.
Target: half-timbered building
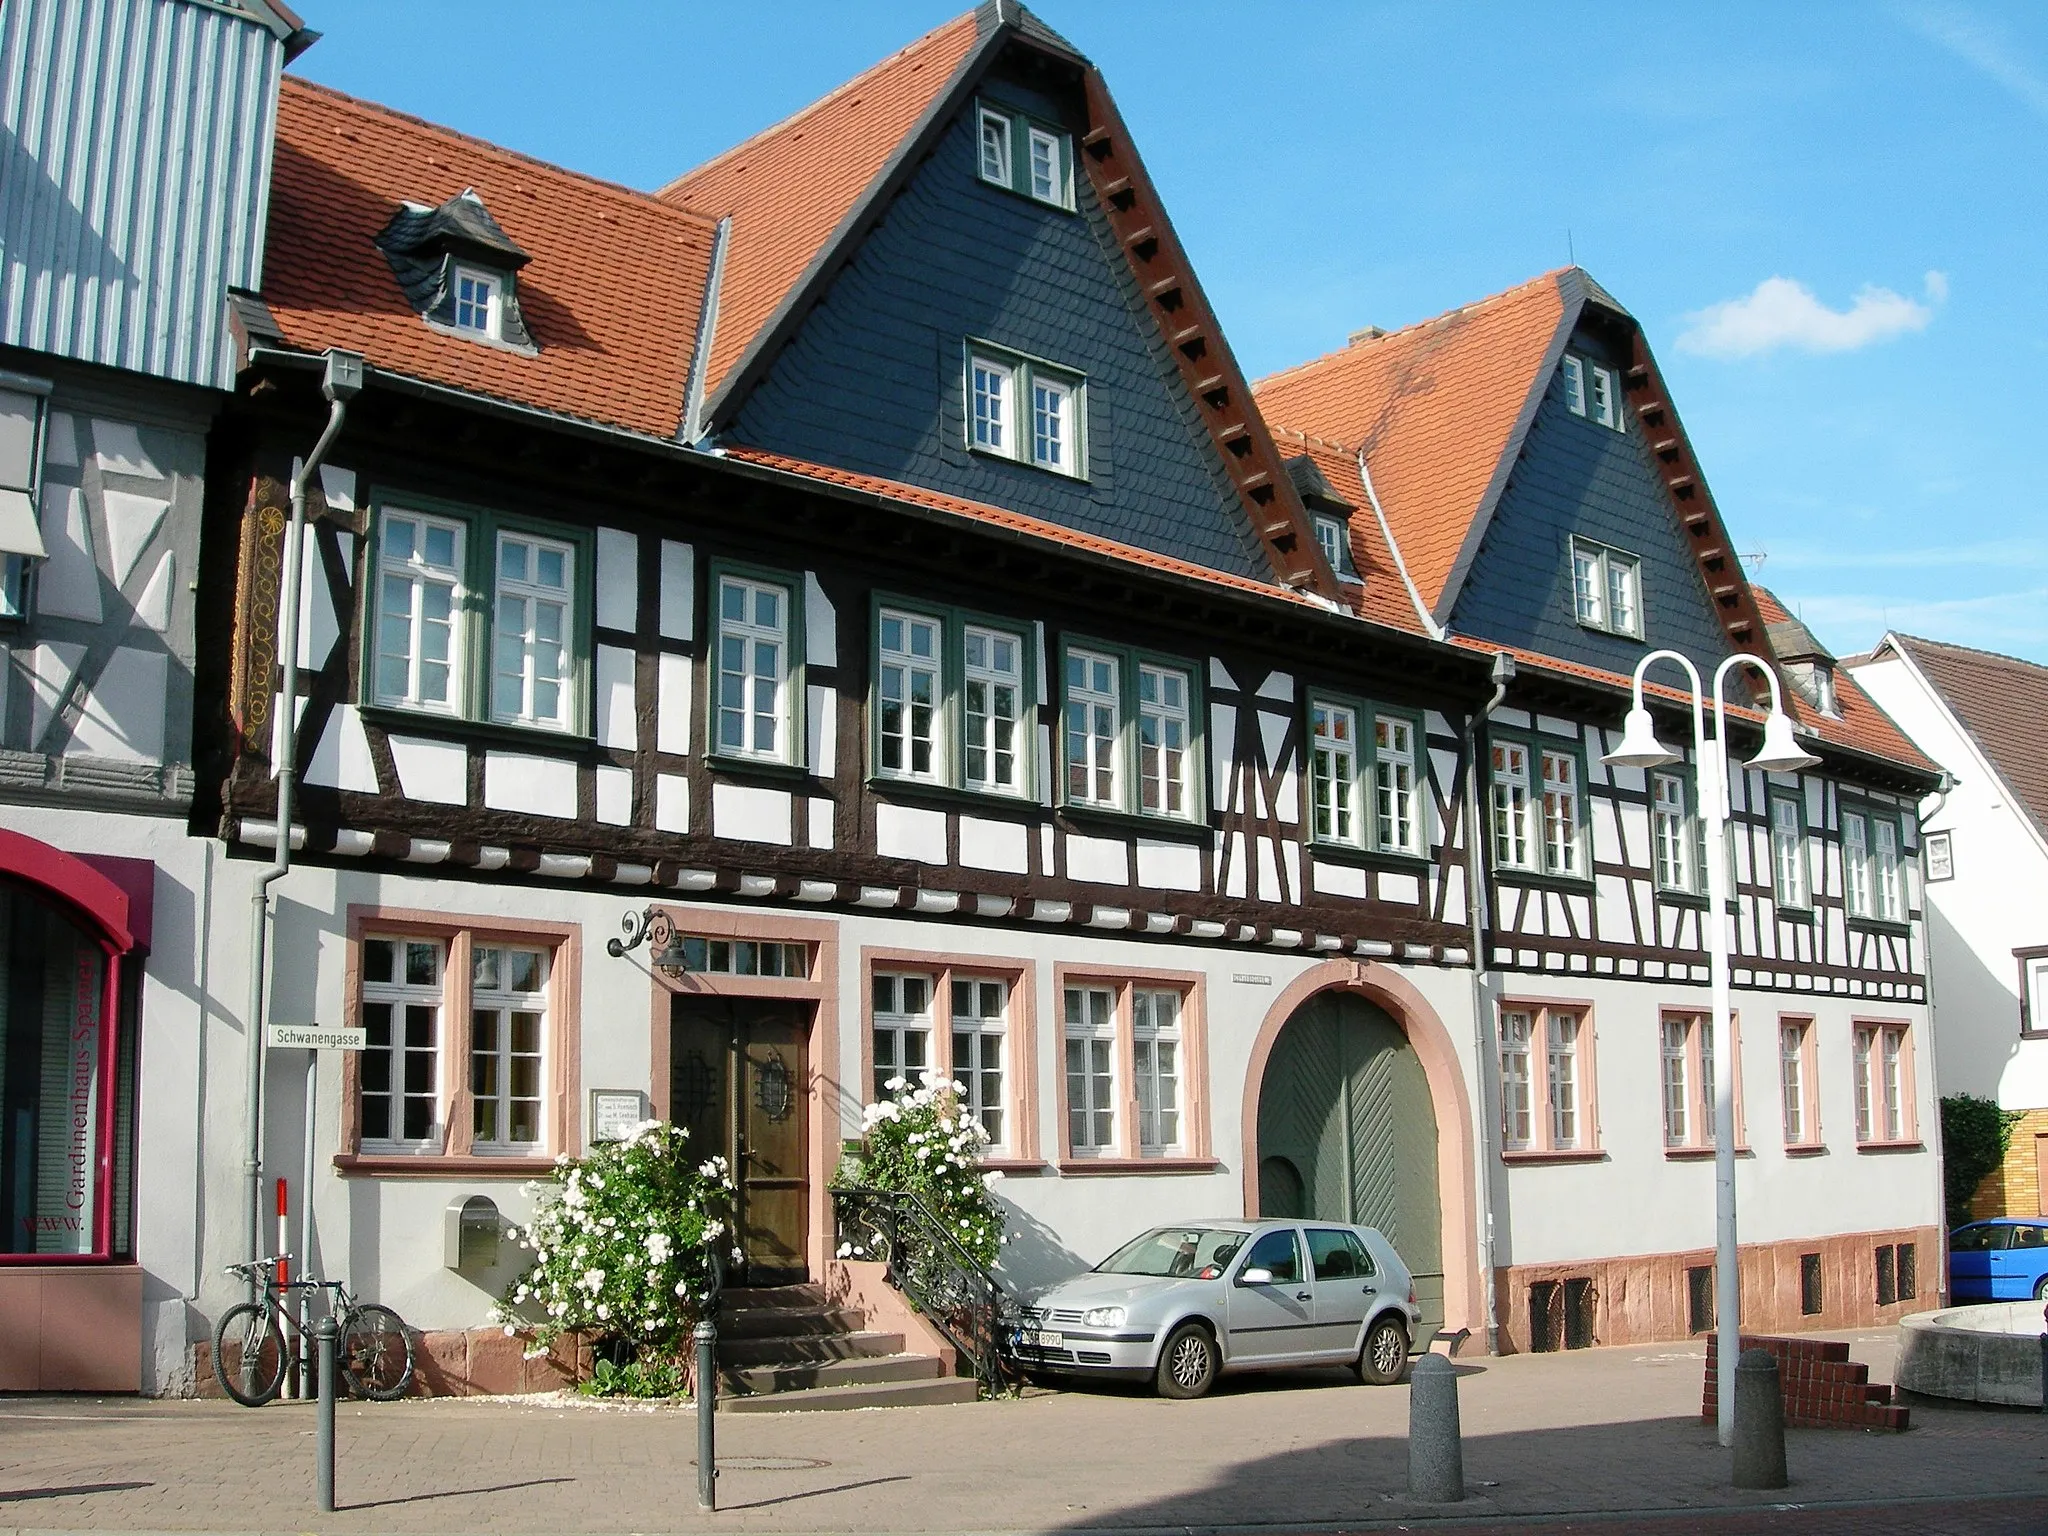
{"x":865,"y":562}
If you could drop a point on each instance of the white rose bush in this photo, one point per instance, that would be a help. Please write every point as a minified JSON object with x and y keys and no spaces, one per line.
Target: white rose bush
{"x":922,"y":1140}
{"x":626,"y":1242}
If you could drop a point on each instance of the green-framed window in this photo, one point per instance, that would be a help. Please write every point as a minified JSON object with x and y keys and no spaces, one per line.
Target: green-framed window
{"x":1607,"y":588}
{"x":1791,"y":875}
{"x":476,"y":615}
{"x":1538,"y":797}
{"x":1367,"y":772}
{"x":755,"y":666}
{"x":1593,"y":390}
{"x":1873,"y":872}
{"x":1131,"y":733}
{"x":951,"y":699}
{"x":1026,"y":409}
{"x":1026,"y":155}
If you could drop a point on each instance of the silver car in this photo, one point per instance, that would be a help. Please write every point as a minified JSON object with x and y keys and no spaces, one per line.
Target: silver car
{"x":1182,"y":1304}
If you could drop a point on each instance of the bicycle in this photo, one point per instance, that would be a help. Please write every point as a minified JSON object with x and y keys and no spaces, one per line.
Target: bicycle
{"x":374,"y":1351}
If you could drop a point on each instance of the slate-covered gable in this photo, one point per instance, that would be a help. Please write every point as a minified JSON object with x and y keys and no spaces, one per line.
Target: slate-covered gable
{"x":1575,"y":476}
{"x":874,"y":379}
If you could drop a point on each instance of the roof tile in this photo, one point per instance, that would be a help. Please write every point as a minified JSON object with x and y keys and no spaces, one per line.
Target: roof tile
{"x":2001,"y":701}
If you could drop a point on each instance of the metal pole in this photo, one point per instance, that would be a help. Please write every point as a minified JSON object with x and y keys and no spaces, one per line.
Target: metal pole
{"x":323,"y":1442}
{"x":306,"y":1217}
{"x":706,"y":1335}
{"x":1727,"y":1283}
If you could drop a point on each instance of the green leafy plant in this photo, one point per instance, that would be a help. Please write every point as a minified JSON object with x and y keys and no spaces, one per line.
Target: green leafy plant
{"x":1974,"y":1136}
{"x":923,"y":1141}
{"x":626,"y":1247}
{"x":653,"y":1376}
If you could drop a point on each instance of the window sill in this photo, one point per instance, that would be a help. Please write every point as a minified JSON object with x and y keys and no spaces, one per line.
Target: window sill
{"x":400,"y":1165}
{"x":1371,"y":858}
{"x":1538,"y":1155}
{"x":1791,"y":914}
{"x":1700,"y":1154}
{"x":1806,"y":1149}
{"x":1084,"y":1165}
{"x":1577,"y":885}
{"x":396,"y":717}
{"x":1891,"y":1146}
{"x":888,"y":787}
{"x":1005,"y":458}
{"x":1692,"y":899}
{"x":756,"y":767}
{"x":1080,"y":818}
{"x":1880,"y":925}
{"x":1027,"y":1166}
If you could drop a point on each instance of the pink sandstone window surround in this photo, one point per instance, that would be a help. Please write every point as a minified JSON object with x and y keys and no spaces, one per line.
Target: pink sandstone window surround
{"x":1113,"y":1073}
{"x":1549,"y":1081}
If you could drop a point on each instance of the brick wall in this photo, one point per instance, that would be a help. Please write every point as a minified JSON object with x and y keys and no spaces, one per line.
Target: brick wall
{"x":1818,"y":1386}
{"x":2014,"y":1187}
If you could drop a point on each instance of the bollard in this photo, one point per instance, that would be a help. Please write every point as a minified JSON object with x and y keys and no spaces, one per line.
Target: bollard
{"x":1436,"y":1451}
{"x":323,"y":1440}
{"x":2044,"y":1373}
{"x":1759,"y":1422}
{"x":706,"y":1335}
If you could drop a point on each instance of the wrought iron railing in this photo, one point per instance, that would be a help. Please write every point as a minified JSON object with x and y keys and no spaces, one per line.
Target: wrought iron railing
{"x":971,"y":1307}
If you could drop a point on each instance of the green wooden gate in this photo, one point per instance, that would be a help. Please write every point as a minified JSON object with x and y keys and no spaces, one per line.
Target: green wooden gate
{"x":1347,"y":1133}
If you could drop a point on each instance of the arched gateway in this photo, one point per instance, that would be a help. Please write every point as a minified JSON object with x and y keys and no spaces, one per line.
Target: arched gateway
{"x":1359,"y":1116}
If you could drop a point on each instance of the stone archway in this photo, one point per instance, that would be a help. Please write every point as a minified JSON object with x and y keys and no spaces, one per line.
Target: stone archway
{"x":1367,"y":1035}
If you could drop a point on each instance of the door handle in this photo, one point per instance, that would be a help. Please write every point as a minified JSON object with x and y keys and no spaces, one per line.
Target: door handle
{"x":1372,"y":1290}
{"x":1303,"y":1296}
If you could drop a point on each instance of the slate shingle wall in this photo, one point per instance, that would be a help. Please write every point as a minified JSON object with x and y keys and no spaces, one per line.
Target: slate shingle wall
{"x":1576,"y":476}
{"x":874,"y":381}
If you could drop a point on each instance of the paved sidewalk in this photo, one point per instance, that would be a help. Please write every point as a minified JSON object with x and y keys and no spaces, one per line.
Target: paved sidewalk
{"x":1604,"y":1440}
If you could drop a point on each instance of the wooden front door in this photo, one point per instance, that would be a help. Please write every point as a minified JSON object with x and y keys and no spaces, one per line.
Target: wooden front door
{"x":739,"y":1084}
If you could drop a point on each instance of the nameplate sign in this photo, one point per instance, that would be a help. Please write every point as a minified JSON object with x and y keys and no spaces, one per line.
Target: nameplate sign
{"x":313,"y":1037}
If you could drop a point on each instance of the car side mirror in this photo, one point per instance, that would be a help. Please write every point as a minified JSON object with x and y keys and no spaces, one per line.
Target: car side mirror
{"x":1256,"y":1277}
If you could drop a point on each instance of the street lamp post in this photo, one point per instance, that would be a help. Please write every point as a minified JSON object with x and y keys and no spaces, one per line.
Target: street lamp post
{"x":1780,"y":753}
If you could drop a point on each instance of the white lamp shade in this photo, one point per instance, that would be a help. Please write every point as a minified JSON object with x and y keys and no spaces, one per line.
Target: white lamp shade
{"x":1639,"y":747}
{"x":1781,"y":752}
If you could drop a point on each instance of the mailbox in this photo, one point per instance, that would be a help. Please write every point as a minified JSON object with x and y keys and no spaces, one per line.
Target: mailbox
{"x":474,"y":1232}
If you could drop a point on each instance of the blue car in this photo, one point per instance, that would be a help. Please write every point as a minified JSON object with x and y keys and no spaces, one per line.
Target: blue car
{"x":2005,"y":1259}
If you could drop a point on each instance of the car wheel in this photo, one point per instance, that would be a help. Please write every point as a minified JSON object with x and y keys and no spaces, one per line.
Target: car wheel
{"x":2041,"y":1289}
{"x":1187,"y":1365}
{"x":1383,"y":1359}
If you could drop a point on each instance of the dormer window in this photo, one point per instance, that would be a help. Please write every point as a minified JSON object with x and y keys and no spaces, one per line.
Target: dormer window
{"x":1023,"y":409}
{"x":1607,"y":587}
{"x":1033,"y":159}
{"x":1335,"y":540}
{"x":1591,"y":390}
{"x":459,"y":270}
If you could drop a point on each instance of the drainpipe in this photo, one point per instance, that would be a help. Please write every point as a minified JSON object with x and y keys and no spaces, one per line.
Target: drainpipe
{"x":1435,"y":630}
{"x":1482,"y":1011}
{"x":341,"y":382}
{"x":1941,"y":793}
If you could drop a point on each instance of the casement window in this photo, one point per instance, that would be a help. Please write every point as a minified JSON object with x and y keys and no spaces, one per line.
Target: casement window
{"x":1031,"y":158}
{"x":1129,"y":1048}
{"x":468,"y":1050}
{"x":2033,"y":963}
{"x":1592,"y":391}
{"x":757,"y":695}
{"x":1688,"y":1047}
{"x":1546,"y":1078}
{"x":1872,"y":880}
{"x":477,"y":618}
{"x":1539,"y":823}
{"x":1884,"y":1084}
{"x":1345,"y":780}
{"x":980,"y":1035}
{"x":1607,"y":589}
{"x":477,"y":302}
{"x":1024,"y":409}
{"x":1788,"y":851}
{"x":1333,"y":537}
{"x":24,"y":426}
{"x":902,"y":1023}
{"x":1796,"y":1082}
{"x":1145,"y":759}
{"x":949,"y":705}
{"x":1678,"y":834}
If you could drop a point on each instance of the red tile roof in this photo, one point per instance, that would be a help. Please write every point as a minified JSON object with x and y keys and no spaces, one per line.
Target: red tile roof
{"x":789,"y":187}
{"x":1383,"y":598}
{"x":342,"y":168}
{"x":2001,"y":701}
{"x":1435,"y":406}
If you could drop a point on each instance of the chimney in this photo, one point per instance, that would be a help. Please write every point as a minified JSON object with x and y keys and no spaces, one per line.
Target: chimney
{"x":1368,"y":333}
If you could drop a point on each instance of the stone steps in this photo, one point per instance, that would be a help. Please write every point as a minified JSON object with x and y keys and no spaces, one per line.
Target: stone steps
{"x":808,"y":1349}
{"x":882,"y":1394}
{"x":859,"y":1371}
{"x":792,"y":1349}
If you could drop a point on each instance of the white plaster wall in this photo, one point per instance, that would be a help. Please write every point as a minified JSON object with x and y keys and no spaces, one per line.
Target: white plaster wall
{"x":1997,"y":902}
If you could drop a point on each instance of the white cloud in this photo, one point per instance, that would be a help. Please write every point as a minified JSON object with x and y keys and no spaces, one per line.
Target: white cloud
{"x":1783,"y":312}
{"x":1985,"y":48}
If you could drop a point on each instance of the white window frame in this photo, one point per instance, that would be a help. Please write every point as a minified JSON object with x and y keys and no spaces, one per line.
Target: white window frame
{"x":534,"y":593}
{"x":1563,"y":1033}
{"x":1333,"y":535}
{"x":1334,"y":773}
{"x":1366,"y":789}
{"x":1678,"y":1081}
{"x":751,"y":634}
{"x":1595,"y":568}
{"x":998,"y":140}
{"x":1055,"y":193}
{"x":1397,"y":778}
{"x":900,"y":1023}
{"x":1516,"y":828}
{"x":1795,"y":1081}
{"x":492,"y":287}
{"x":1517,"y":1084}
{"x":1674,"y":834}
{"x":1574,"y":384}
{"x":505,"y":1002}
{"x":399,"y":995}
{"x":992,"y":679}
{"x":955,"y":732}
{"x":1159,"y":1070}
{"x":1604,"y":397}
{"x":1564,"y":819}
{"x":1100,"y":751}
{"x":1010,"y":428}
{"x":419,"y":575}
{"x":1099,"y":1119}
{"x":920,"y":683}
{"x":1791,"y":872}
{"x":1547,"y":1078}
{"x":1166,"y":734}
{"x":1873,"y":868}
{"x":976,"y":1026}
{"x":1140,"y":730}
{"x":1694,"y":1047}
{"x":1015,"y":139}
{"x":1884,"y":1084}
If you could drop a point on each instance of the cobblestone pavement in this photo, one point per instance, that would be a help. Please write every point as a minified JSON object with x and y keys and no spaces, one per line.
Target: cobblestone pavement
{"x":1599,"y":1441}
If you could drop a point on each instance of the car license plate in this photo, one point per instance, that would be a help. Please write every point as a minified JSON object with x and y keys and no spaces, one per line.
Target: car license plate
{"x":1033,"y":1338}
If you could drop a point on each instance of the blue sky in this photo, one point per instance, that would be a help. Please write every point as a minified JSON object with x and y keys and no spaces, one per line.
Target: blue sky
{"x":1829,"y":218}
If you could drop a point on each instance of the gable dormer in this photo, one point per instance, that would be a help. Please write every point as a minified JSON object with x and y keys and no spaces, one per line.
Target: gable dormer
{"x":459,"y":270}
{"x":1806,"y":664}
{"x":1329,"y":515}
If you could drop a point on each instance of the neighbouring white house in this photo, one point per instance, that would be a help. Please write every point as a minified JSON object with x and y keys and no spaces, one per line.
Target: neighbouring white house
{"x":1980,"y":716}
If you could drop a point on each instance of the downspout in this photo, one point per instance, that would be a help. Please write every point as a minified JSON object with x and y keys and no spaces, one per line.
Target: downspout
{"x":1436,"y":631}
{"x":341,"y":382}
{"x":1482,"y":1008}
{"x":692,"y":433}
{"x":1941,"y":793}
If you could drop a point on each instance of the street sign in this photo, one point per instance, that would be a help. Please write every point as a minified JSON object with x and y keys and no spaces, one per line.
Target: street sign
{"x":313,"y":1037}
